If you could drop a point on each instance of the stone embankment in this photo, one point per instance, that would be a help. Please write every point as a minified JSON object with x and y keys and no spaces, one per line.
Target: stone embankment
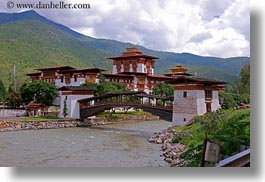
{"x":171,"y":151}
{"x":118,"y":119}
{"x":36,"y":125}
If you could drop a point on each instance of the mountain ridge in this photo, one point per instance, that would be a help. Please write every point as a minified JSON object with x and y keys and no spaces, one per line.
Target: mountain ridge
{"x":53,"y":44}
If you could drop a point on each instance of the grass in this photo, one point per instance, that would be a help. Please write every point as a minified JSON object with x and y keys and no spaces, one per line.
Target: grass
{"x":119,"y":114}
{"x":195,"y":131}
{"x":230,"y":128}
{"x":39,"y":118}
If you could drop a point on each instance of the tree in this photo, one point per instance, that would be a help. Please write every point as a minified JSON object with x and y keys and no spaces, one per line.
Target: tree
{"x":2,"y":91}
{"x":38,"y":91}
{"x":164,"y":89}
{"x":65,"y":110}
{"x":232,"y":100}
{"x":227,"y":100}
{"x":105,"y":87}
{"x":92,"y":85}
{"x":13,"y":99}
{"x":245,"y":79}
{"x":101,"y":78}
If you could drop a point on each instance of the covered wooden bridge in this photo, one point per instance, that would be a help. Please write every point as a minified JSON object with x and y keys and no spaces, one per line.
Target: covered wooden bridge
{"x":161,"y":106}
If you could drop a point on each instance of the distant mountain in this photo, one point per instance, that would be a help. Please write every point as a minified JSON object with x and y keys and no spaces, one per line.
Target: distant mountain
{"x":32,"y":15}
{"x":31,"y":44}
{"x":30,"y":41}
{"x":230,"y":66}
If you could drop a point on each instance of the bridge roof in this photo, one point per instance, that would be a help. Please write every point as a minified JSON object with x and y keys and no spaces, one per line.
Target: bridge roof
{"x":110,"y":94}
{"x":162,"y":97}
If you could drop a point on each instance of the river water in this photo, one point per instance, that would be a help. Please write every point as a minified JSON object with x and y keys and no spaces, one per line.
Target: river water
{"x":117,"y":145}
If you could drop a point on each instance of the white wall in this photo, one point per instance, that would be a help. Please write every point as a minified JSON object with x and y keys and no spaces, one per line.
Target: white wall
{"x":79,"y":81}
{"x":140,"y":68}
{"x":215,"y":102}
{"x":201,"y":105}
{"x":184,"y":109}
{"x":152,"y":71}
{"x":57,"y":101}
{"x":178,"y":119}
{"x":131,"y":68}
{"x":114,"y":69}
{"x":72,"y":105}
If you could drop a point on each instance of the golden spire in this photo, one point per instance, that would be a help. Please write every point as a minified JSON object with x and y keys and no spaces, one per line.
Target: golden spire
{"x":133,"y":50}
{"x":178,"y":70}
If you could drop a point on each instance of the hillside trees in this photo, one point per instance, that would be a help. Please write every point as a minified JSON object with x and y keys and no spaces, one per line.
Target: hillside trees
{"x":245,"y":79}
{"x":242,"y":84}
{"x":38,"y":91}
{"x":231,"y":100}
{"x":2,"y":91}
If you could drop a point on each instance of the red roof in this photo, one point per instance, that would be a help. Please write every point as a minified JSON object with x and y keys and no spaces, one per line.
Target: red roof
{"x":97,"y":70}
{"x":133,"y":56}
{"x":189,"y":80}
{"x":77,"y":88}
{"x":173,"y":75}
{"x":133,"y":73}
{"x":35,"y":105}
{"x":34,"y":74}
{"x":159,"y":76}
{"x":56,"y":68}
{"x":117,"y":75}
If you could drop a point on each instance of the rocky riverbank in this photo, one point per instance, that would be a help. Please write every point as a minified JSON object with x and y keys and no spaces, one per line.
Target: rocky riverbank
{"x":171,"y":151}
{"x":16,"y":125}
{"x":36,"y":125}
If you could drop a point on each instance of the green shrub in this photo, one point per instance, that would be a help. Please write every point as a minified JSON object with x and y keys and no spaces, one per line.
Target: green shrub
{"x":230,"y":128}
{"x":231,"y":100}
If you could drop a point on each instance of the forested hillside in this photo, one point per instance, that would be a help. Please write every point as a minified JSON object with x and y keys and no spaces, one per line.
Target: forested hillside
{"x":29,"y":41}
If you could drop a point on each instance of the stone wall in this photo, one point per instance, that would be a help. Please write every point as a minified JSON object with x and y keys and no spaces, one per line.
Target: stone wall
{"x":35,"y":125}
{"x":184,"y":108}
{"x":12,"y":112}
{"x":113,"y":119}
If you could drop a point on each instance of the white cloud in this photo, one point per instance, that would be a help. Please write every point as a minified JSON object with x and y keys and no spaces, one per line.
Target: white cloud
{"x":204,"y":27}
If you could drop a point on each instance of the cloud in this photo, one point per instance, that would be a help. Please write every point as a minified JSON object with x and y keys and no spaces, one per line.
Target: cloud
{"x":198,"y":38}
{"x":204,"y":27}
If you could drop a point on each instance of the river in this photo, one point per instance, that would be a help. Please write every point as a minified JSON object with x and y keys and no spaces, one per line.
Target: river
{"x":117,"y":145}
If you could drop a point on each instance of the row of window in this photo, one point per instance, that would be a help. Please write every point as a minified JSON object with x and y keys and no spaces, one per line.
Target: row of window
{"x":120,"y":80}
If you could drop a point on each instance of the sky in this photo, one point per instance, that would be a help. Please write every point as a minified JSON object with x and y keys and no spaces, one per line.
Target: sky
{"x":218,"y":28}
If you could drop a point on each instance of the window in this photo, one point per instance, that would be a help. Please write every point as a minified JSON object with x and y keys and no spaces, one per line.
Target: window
{"x":184,"y":119}
{"x":209,"y":94}
{"x":75,"y":79}
{"x":61,"y":79}
{"x":185,"y":94}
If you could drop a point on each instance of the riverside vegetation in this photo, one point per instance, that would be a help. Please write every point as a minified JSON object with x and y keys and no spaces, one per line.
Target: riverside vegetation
{"x":182,"y":146}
